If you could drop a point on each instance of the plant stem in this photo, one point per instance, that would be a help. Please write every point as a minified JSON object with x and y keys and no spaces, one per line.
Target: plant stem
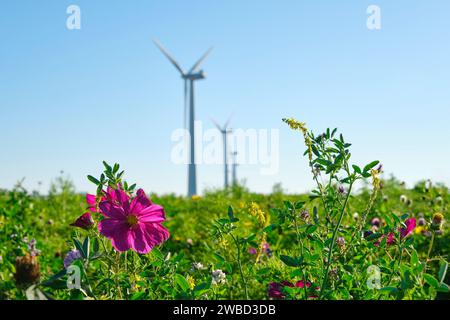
{"x":240,"y":266}
{"x":333,"y":240}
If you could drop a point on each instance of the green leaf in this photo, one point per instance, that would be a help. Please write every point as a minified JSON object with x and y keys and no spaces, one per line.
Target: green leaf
{"x":443,"y":288}
{"x":443,"y":271}
{"x":231,"y":213}
{"x":432,"y":281}
{"x":107,"y":167}
{"x":138,"y":295}
{"x":55,"y":277}
{"x":96,"y":245}
{"x":299,"y":204}
{"x":371,"y":165}
{"x":414,"y":258}
{"x":93,"y":180}
{"x":86,"y":247}
{"x":182,"y":282}
{"x":291,"y":261}
{"x":357,"y":169}
{"x":116,"y":168}
{"x":79,"y":247}
{"x":311,"y":229}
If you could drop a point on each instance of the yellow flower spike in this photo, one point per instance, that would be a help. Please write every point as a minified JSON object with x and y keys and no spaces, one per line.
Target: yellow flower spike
{"x":196,"y":197}
{"x":301,"y":126}
{"x":259,"y":214}
{"x":191,"y":282}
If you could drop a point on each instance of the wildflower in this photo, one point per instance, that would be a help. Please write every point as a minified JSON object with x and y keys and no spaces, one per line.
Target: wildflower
{"x":356,"y":216}
{"x":197,"y":266}
{"x":409,"y":202}
{"x":70,"y":257}
{"x":252,"y":251}
{"x":404,"y":232}
{"x":84,"y":222}
{"x":403,"y":198}
{"x":191,"y":282}
{"x":420,"y":229}
{"x":437,"y":221}
{"x":376,"y":222}
{"x":341,"y":190}
{"x":304,"y":215}
{"x":27,"y":270}
{"x":439,"y":200}
{"x":376,"y":181}
{"x":266,"y":249}
{"x":334,"y":274}
{"x":132,"y":223}
{"x":275,"y":290}
{"x":410,"y":226}
{"x":32,"y":248}
{"x":296,"y":125}
{"x":190,"y":242}
{"x":340,"y":241}
{"x":50,"y":222}
{"x":218,"y":277}
{"x":421,"y":222}
{"x":256,"y":211}
{"x":196,"y":197}
{"x":92,"y":202}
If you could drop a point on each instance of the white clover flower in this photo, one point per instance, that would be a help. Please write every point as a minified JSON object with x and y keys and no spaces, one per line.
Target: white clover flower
{"x":218,"y":277}
{"x":403,"y":198}
{"x":198,"y":266}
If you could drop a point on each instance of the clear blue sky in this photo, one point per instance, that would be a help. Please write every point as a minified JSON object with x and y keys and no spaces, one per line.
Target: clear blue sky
{"x":69,"y":99}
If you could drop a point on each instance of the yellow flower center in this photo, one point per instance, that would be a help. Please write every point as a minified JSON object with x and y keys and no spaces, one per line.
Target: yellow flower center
{"x":132,"y":220}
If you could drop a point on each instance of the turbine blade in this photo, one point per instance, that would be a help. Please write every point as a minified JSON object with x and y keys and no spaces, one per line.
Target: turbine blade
{"x":216,"y":124}
{"x":228,"y":121}
{"x":199,"y":62}
{"x":168,"y":56}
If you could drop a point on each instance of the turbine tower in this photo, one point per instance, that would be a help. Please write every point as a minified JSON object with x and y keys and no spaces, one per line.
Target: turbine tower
{"x":189,"y":78}
{"x":235,"y":165}
{"x":224,"y":131}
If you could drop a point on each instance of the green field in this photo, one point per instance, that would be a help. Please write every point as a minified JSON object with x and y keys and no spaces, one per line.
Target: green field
{"x":235,"y":244}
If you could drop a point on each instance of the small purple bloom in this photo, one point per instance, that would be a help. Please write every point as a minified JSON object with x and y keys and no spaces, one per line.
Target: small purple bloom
{"x":71,"y":256}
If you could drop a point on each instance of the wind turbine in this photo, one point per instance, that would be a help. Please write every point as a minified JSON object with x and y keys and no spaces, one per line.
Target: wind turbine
{"x":189,"y":78}
{"x":224,"y":131}
{"x":234,"y":174}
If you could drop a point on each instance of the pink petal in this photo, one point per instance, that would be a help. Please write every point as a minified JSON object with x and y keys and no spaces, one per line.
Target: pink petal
{"x":153,"y":214}
{"x":111,"y":211}
{"x":140,"y":202}
{"x":139,"y":240}
{"x":155,"y":233}
{"x":91,"y":200}
{"x":118,"y":232}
